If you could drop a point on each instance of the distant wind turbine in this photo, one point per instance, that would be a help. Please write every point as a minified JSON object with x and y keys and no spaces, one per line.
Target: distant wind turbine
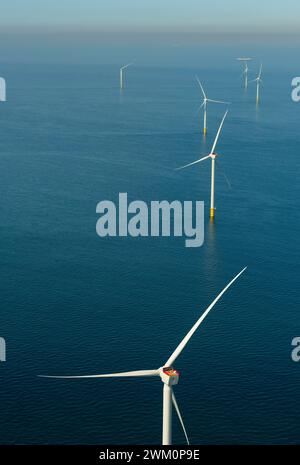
{"x":258,"y":81}
{"x":245,"y":73}
{"x":168,"y":375}
{"x":213,"y":156}
{"x":204,"y":105}
{"x":121,"y":75}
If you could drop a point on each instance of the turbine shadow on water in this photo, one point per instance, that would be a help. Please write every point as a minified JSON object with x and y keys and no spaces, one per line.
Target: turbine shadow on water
{"x":211,"y":256}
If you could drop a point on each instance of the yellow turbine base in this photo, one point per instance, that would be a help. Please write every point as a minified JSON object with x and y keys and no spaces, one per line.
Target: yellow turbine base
{"x":204,"y":131}
{"x":212,"y":213}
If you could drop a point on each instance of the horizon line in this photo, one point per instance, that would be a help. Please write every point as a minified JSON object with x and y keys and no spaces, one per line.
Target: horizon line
{"x":153,"y":32}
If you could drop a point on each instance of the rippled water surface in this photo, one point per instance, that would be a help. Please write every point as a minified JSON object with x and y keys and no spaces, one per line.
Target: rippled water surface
{"x":74,"y":303}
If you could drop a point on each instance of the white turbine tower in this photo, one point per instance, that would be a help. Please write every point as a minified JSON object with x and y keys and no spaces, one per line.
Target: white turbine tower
{"x":204,"y":105}
{"x":121,"y":75}
{"x":213,"y":156}
{"x":245,"y":73}
{"x":168,"y":375}
{"x":258,"y":81}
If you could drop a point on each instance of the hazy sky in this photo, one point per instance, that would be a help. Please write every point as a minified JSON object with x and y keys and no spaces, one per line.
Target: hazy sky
{"x":170,"y":15}
{"x":146,"y":31}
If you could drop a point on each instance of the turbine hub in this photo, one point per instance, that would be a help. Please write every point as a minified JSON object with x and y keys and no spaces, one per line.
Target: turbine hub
{"x":169,"y":376}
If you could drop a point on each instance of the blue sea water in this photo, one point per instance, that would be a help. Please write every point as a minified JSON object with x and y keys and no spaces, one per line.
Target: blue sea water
{"x":72,"y":303}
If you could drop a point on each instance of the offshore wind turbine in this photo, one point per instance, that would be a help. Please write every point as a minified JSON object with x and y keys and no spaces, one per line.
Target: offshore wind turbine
{"x":121,"y":74}
{"x":204,"y":105}
{"x":258,"y":81}
{"x":245,"y":72}
{"x":213,"y":156}
{"x":168,"y":375}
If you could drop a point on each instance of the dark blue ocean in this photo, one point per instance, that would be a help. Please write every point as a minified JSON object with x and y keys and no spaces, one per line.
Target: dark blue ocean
{"x":73,"y":303}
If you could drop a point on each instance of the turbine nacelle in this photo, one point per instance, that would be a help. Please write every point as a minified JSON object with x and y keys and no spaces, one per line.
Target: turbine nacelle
{"x":169,"y":376}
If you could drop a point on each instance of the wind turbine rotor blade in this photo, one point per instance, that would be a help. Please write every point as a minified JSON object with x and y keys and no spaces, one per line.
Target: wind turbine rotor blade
{"x":180,"y":417}
{"x":193,"y":163}
{"x":110,"y":375}
{"x":224,"y":174}
{"x":186,"y":339}
{"x":218,"y":133}
{"x":244,"y":73}
{"x":201,"y":106}
{"x":218,"y":101}
{"x":126,"y":66}
{"x":201,"y":87}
